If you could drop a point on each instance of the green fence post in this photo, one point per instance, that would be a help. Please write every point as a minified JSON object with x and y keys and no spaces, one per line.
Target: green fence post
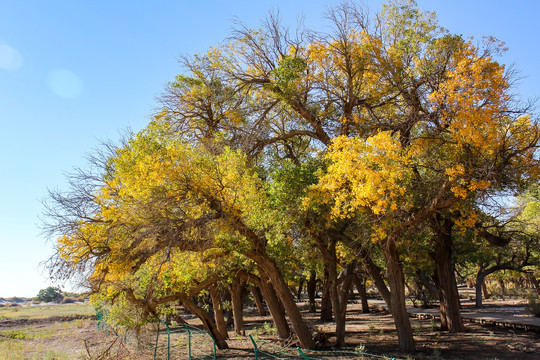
{"x":254,"y":347}
{"x":168,"y":340}
{"x":189,"y":340}
{"x":214,"y":341}
{"x":301,"y":353}
{"x":157,"y":338}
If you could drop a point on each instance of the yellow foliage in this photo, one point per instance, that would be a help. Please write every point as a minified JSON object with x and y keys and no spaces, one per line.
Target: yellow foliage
{"x":368,"y":175}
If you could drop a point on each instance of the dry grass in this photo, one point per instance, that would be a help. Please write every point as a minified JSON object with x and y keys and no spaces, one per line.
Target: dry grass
{"x":46,"y":311}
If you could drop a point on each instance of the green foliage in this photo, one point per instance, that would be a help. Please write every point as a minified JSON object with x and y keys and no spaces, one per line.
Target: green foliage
{"x":533,"y":304}
{"x":14,"y":334}
{"x":289,"y":70}
{"x":50,"y":294}
{"x":272,"y":150}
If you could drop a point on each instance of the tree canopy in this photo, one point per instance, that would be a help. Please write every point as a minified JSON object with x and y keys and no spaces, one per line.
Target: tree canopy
{"x":279,"y":153}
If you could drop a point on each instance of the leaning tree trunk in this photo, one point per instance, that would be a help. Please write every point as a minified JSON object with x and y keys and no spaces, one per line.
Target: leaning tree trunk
{"x":360,"y":284}
{"x":237,"y":290}
{"x":345,"y":293}
{"x":257,"y":297}
{"x":275,"y":307}
{"x":219,"y":315}
{"x":448,"y":292}
{"x":206,"y":320}
{"x":270,"y":268}
{"x":311,"y":287}
{"x":480,"y":285}
{"x":375,"y":273}
{"x":397,"y":296}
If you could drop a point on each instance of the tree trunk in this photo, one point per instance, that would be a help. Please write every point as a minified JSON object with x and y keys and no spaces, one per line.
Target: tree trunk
{"x":428,"y":282}
{"x":503,"y":287}
{"x":360,"y":284}
{"x":327,"y":247}
{"x":236,"y":289}
{"x":206,"y":320}
{"x":480,"y":285}
{"x":228,"y":310}
{"x":397,"y":296}
{"x":219,"y":316}
{"x":346,"y":290}
{"x":300,"y":288}
{"x":534,"y":282}
{"x":336,"y":303}
{"x":311,"y":287}
{"x":375,"y":273}
{"x":257,"y":297}
{"x":448,"y":292}
{"x":478,"y":289}
{"x":484,"y":289}
{"x":275,"y":307}
{"x":326,"y":303}
{"x":270,"y":268}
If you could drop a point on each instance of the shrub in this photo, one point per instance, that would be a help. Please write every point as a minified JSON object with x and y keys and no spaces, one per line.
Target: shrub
{"x":68,"y":300}
{"x":50,"y":294}
{"x":533,"y":307}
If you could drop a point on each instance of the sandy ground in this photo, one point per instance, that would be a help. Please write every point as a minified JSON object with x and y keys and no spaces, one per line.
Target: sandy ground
{"x":78,"y":337}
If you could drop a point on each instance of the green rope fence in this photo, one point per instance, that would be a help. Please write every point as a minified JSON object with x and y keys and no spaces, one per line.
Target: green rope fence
{"x":267,"y":350}
{"x":184,"y":342}
{"x":160,"y":341}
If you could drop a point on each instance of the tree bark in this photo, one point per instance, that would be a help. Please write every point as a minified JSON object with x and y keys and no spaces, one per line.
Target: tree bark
{"x":206,"y":320}
{"x":219,"y":315}
{"x":534,"y":282}
{"x":270,"y":268}
{"x":360,"y":284}
{"x":228,"y":310}
{"x":375,"y":273}
{"x":328,"y":251}
{"x":311,"y":288}
{"x":480,"y":285}
{"x":257,"y":297}
{"x":300,"y":288}
{"x":326,"y":303}
{"x":448,"y":292}
{"x":346,"y":291}
{"x":275,"y":307}
{"x":236,"y":289}
{"x":503,"y":287}
{"x":397,"y":296}
{"x":336,"y":303}
{"x":484,"y":289}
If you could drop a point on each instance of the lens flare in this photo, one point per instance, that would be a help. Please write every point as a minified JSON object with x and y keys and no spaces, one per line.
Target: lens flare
{"x":64,"y":83}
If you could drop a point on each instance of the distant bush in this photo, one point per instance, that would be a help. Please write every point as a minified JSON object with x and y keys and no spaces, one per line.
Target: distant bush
{"x":50,"y":294}
{"x":14,"y":334}
{"x":69,"y":300}
{"x":533,"y":307}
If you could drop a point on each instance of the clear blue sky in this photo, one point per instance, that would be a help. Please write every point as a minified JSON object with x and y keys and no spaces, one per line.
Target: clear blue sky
{"x":74,"y":71}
